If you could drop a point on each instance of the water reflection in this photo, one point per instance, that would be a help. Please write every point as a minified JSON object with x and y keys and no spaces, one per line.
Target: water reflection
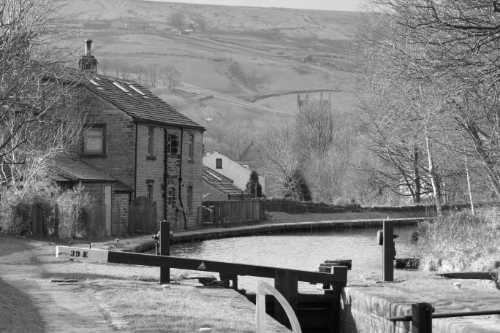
{"x":304,"y":250}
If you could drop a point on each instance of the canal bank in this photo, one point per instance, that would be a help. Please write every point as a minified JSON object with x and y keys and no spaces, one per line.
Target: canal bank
{"x":146,"y":243}
{"x":40,"y":293}
{"x":368,"y":307}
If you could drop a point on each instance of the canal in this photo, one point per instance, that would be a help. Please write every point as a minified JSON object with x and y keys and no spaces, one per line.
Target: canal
{"x":304,"y":250}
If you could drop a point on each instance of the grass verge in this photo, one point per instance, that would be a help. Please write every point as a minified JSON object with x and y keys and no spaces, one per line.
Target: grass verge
{"x":461,"y":242}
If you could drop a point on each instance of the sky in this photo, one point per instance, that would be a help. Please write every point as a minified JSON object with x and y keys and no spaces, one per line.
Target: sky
{"x":350,"y":5}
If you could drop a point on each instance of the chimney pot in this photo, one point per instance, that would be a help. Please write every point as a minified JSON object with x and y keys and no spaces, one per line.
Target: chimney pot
{"x":87,"y":62}
{"x":88,"y":47}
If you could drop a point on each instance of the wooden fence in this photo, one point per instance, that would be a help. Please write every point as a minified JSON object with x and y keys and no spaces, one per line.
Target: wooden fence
{"x":232,"y":212}
{"x":301,"y":207}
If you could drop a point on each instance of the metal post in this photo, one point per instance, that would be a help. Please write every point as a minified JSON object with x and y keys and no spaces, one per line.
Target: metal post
{"x":421,"y":318}
{"x":387,"y":252}
{"x":164,"y":250}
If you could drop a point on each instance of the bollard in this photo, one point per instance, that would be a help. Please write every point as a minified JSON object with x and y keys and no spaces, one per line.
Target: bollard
{"x":421,"y":314}
{"x":388,"y":252}
{"x":164,"y":250}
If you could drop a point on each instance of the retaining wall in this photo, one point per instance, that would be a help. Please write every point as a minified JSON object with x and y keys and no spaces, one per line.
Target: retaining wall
{"x":368,"y":309}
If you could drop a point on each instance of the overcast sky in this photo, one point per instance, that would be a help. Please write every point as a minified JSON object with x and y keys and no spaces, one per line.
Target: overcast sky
{"x":307,"y":4}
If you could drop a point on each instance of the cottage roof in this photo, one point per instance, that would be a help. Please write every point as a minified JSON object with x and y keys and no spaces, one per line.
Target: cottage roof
{"x":220,"y":182}
{"x":136,"y":100}
{"x":68,"y":169}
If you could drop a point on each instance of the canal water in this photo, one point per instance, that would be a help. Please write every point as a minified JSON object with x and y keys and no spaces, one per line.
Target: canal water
{"x":304,"y":250}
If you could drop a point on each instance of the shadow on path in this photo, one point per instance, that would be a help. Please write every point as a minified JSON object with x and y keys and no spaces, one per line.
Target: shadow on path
{"x":17,"y":311}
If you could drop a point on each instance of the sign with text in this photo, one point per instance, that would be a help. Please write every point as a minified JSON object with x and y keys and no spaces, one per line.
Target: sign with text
{"x":82,"y":254}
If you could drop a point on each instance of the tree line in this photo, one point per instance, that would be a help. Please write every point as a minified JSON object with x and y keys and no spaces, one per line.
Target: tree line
{"x":429,"y":90}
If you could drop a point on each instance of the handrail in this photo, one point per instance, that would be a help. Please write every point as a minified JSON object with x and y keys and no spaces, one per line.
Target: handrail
{"x":451,"y":315}
{"x":264,"y":289}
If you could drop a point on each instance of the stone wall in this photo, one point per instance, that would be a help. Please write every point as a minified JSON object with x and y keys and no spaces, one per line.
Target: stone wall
{"x":192,"y":175}
{"x":120,"y":141}
{"x":151,"y":168}
{"x":368,"y":306}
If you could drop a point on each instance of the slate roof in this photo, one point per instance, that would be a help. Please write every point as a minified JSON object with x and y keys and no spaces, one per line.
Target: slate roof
{"x":68,"y":169}
{"x":220,"y":182}
{"x":136,"y":100}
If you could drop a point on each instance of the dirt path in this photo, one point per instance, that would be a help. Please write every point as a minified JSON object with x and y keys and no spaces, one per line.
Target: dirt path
{"x":35,"y":304}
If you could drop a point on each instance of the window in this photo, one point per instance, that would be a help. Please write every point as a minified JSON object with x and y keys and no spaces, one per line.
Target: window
{"x":171,"y":196}
{"x":151,"y":143}
{"x":137,"y":90}
{"x":191,"y":147}
{"x":190,"y":200}
{"x":119,"y":86}
{"x":94,"y":140}
{"x":150,"y":189}
{"x":218,"y":163}
{"x":173,"y":144}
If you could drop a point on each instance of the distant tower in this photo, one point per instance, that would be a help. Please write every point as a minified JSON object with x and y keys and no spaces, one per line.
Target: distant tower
{"x":88,"y":63}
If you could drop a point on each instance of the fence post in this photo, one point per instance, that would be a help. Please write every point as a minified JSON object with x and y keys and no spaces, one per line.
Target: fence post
{"x":286,"y":283}
{"x":164,"y":250}
{"x":387,"y":252}
{"x":421,"y":314}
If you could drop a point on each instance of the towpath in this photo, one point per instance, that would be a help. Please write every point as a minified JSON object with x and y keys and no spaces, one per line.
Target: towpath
{"x":40,"y":293}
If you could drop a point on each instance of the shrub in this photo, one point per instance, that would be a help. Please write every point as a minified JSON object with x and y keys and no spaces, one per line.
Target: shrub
{"x":62,"y":211}
{"x":460,"y":242}
{"x":16,"y":203}
{"x":72,"y":204}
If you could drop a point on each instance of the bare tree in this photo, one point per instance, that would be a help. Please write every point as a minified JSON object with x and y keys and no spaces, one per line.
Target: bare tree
{"x":37,"y":117}
{"x":282,"y":159}
{"x":457,"y":42}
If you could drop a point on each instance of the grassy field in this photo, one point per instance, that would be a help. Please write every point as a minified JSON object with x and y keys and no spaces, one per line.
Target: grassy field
{"x":235,"y":52}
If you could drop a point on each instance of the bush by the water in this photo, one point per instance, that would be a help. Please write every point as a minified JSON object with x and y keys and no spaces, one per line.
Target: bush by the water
{"x":461,"y":242}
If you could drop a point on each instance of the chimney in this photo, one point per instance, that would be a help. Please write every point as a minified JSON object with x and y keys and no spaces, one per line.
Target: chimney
{"x":88,"y":47}
{"x":88,"y":63}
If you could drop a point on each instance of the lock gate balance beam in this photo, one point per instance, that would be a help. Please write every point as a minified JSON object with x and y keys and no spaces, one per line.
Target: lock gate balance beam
{"x":118,"y":257}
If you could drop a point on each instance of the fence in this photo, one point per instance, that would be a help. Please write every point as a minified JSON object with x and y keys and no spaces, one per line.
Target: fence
{"x":58,"y":220}
{"x":300,"y":207}
{"x":232,"y":212}
{"x":422,"y":315}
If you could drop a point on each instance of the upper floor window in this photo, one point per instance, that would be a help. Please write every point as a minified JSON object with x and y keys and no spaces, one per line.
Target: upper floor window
{"x":218,"y":163}
{"x":173,"y":144}
{"x":94,"y":140}
{"x":191,"y":147}
{"x":151,"y":142}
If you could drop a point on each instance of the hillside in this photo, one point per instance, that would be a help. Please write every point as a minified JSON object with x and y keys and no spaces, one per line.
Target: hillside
{"x":222,"y":57}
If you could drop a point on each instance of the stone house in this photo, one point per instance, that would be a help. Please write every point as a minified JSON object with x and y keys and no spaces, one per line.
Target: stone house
{"x":134,"y":148}
{"x":217,"y":187}
{"x":238,"y":172}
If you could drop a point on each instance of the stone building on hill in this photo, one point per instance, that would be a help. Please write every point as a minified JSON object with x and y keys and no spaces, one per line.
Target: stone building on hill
{"x":138,"y":155}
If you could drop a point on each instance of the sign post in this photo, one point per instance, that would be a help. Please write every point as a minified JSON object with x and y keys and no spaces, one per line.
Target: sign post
{"x":388,"y":251}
